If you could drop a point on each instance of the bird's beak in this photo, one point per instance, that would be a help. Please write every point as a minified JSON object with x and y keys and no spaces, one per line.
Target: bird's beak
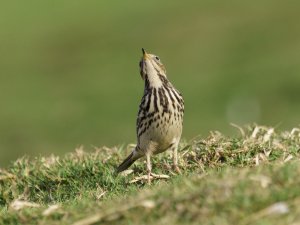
{"x":145,"y":54}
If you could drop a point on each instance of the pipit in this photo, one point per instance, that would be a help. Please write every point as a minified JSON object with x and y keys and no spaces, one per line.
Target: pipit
{"x":160,"y":117}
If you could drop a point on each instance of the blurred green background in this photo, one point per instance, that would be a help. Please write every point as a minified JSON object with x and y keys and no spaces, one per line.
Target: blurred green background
{"x":69,"y":69}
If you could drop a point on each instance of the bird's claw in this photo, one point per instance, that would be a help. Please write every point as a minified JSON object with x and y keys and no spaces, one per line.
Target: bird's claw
{"x":176,"y":169}
{"x":149,"y":178}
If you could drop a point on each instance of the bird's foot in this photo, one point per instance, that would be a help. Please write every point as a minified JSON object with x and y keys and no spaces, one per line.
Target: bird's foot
{"x":149,"y":178}
{"x":176,"y":169}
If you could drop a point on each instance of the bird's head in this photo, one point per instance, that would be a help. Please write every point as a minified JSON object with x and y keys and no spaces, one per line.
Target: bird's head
{"x":151,"y":66}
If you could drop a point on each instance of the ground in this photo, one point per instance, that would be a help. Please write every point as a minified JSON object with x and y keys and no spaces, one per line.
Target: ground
{"x":252,"y":178}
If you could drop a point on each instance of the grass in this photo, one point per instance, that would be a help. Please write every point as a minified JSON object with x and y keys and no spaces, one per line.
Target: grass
{"x":69,"y":70}
{"x":249,"y":179}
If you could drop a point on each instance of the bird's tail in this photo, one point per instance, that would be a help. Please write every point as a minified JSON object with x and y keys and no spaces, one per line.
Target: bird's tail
{"x":127,"y":162}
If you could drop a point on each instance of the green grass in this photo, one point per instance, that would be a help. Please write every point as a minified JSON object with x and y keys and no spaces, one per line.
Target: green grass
{"x":249,"y":179}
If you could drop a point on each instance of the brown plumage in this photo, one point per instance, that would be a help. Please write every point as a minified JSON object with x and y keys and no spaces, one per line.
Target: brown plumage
{"x":160,"y":116}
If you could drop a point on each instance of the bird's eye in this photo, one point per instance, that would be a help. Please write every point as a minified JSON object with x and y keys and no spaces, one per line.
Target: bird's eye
{"x":157,"y":58}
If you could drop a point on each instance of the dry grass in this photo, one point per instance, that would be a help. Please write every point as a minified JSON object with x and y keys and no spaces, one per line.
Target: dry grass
{"x":226,"y":180}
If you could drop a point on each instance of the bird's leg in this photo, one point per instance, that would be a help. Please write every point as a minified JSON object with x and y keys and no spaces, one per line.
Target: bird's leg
{"x":149,"y":175}
{"x":175,"y":159}
{"x":149,"y":167}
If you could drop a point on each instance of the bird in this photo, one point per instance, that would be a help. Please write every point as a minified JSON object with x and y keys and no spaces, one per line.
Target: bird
{"x":160,"y":117}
